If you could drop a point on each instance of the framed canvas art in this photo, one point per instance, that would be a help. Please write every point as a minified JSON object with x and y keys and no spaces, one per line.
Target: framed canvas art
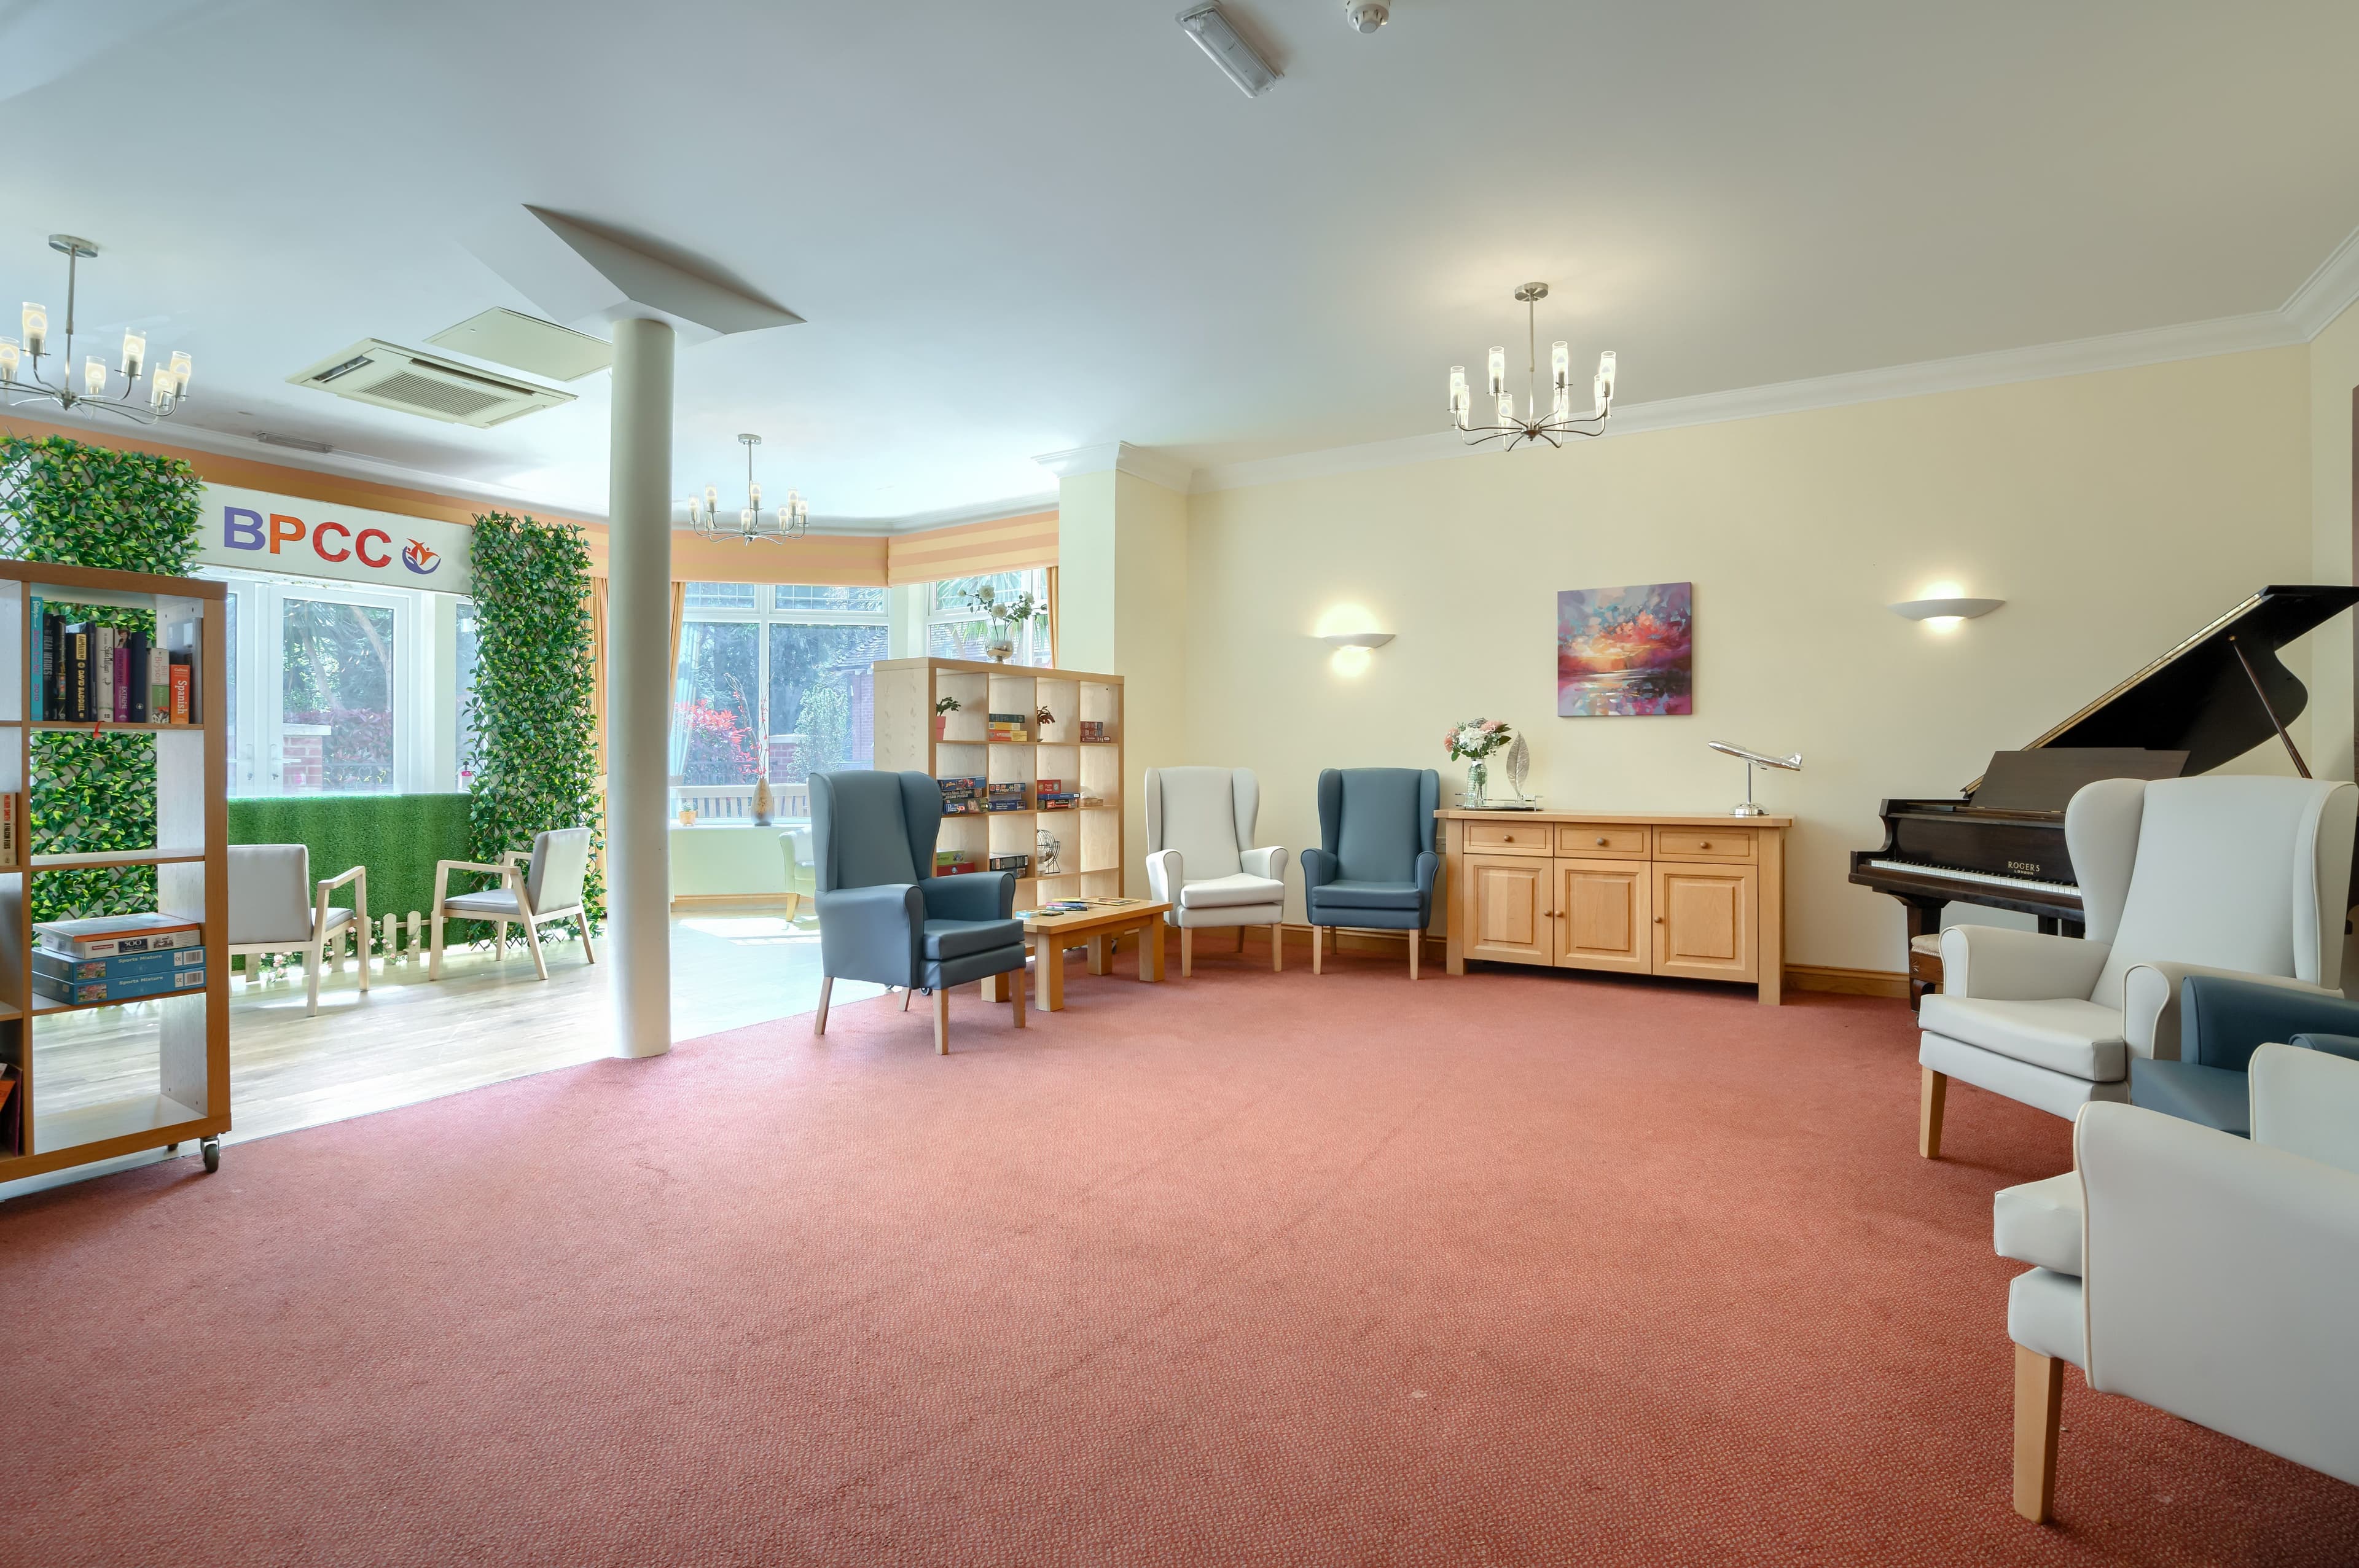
{"x":1626,"y":651}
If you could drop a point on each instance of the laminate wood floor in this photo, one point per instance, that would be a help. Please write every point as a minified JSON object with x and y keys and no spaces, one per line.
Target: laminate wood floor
{"x":410,"y":1039}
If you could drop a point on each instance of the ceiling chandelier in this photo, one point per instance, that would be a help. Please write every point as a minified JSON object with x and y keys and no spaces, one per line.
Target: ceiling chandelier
{"x":789,"y":521}
{"x":1559,"y":422}
{"x":22,"y":382}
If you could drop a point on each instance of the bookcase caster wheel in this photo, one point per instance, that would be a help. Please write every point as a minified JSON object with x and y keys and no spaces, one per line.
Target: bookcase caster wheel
{"x":211,"y":1146}
{"x":171,"y":1148}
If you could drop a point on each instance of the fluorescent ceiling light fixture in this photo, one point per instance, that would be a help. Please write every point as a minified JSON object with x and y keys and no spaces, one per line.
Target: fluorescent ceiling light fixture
{"x":1944,"y":609}
{"x":1238,"y":59}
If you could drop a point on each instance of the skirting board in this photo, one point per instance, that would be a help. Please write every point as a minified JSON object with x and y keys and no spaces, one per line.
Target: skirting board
{"x":1799,"y":976}
{"x":729,"y":900}
{"x":1847,"y":982}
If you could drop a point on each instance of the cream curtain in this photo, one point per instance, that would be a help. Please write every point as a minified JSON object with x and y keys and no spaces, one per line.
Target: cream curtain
{"x":1054,"y":623}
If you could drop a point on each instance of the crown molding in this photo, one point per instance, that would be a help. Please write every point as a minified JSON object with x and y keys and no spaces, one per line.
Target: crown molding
{"x":943,"y":517}
{"x":2328,"y":292}
{"x":1139,"y":463}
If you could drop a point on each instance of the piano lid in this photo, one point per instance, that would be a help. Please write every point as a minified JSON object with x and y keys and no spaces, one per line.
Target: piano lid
{"x":2197,"y":698}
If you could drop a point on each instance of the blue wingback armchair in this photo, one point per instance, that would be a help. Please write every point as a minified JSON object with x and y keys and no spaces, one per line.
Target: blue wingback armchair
{"x":2222,"y":1022}
{"x":1375,"y":866}
{"x":883,"y":916}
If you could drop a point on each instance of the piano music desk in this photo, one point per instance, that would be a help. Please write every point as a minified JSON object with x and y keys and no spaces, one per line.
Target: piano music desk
{"x":1700,"y":897}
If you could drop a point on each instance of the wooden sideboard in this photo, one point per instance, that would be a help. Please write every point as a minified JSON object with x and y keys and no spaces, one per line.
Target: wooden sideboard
{"x":1701,"y":897}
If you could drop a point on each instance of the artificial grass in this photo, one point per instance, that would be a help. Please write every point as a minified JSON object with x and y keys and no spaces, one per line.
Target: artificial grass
{"x":397,"y":837}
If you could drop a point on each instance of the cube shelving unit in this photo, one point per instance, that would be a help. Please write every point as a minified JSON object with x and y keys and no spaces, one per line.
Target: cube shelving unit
{"x":191,"y":1099}
{"x":1089,"y":837}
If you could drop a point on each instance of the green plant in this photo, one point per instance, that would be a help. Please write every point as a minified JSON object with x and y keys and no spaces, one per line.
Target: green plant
{"x":94,"y":506}
{"x":827,"y":720}
{"x":948,"y":704}
{"x":534,"y":731}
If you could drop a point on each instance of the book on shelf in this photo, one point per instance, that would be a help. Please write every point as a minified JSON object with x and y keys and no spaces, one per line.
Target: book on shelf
{"x":159,"y":684}
{"x":185,"y":640}
{"x":131,"y":680}
{"x":1020,"y":864}
{"x":8,"y":830}
{"x":83,"y":993}
{"x":77,"y":692}
{"x":1095,"y":730}
{"x":109,"y":935}
{"x":102,"y":673}
{"x":118,"y":700}
{"x":953,"y":862}
{"x":1007,"y":727}
{"x":1005,"y":797}
{"x":68,"y":970}
{"x":38,"y":651}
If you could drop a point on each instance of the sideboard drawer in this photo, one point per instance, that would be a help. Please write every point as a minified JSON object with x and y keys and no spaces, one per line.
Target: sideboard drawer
{"x":1508,"y":837}
{"x":1600,"y":842}
{"x":1703,"y":844}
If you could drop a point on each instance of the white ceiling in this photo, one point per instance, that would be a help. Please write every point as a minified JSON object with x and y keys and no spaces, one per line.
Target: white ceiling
{"x":1019,"y":226}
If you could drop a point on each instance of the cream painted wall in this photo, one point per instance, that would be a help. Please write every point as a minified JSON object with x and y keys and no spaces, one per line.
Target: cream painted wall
{"x":2116,"y":514}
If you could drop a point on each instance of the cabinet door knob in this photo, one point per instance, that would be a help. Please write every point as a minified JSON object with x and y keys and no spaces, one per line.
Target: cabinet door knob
{"x":1600,"y":842}
{"x":1658,"y":919}
{"x":1706,"y":845}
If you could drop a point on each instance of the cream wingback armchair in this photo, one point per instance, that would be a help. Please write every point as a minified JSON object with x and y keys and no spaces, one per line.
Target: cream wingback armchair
{"x":534,"y":891}
{"x":1201,"y":859}
{"x":274,"y":907}
{"x":2197,"y":1273}
{"x":2232,"y":875}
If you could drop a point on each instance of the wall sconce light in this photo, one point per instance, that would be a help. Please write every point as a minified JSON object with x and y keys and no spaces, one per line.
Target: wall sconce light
{"x":1943,"y":608}
{"x":1356,"y":639}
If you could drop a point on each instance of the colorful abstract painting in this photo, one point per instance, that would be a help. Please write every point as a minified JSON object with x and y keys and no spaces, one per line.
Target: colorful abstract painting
{"x":1626,"y":651}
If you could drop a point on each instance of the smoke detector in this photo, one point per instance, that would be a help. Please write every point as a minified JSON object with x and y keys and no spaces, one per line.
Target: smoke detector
{"x":1367,"y":16}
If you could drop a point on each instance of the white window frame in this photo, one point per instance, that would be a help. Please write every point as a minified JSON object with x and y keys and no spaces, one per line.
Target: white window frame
{"x":1036,"y":580}
{"x":256,"y":763}
{"x":766,"y":614}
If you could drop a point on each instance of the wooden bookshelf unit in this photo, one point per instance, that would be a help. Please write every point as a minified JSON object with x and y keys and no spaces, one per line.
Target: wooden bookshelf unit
{"x":1089,"y":836}
{"x":189,"y":1097}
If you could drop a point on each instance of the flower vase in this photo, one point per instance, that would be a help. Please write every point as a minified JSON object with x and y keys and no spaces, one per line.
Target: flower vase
{"x":1001,"y":647}
{"x":1478,"y":779}
{"x":941,"y":726}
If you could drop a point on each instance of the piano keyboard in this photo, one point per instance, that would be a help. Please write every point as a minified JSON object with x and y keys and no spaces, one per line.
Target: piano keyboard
{"x":1953,"y":873}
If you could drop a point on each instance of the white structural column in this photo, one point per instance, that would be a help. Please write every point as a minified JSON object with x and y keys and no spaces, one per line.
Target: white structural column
{"x":577,"y":272}
{"x":638,"y":688}
{"x":1121,"y":555}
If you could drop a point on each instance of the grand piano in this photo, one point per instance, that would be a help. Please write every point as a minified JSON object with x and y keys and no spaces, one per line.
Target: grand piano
{"x":2208,"y":701}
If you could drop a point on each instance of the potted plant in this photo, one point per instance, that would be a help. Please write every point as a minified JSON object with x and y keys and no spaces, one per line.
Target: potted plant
{"x":942,"y":711}
{"x":1472,"y":741}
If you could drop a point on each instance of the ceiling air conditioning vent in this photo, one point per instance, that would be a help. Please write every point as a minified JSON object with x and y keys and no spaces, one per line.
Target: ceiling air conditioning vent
{"x":392,"y":377}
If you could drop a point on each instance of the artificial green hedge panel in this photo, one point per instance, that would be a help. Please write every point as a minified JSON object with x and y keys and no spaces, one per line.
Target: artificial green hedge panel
{"x":536,"y":763}
{"x":397,"y":837}
{"x":94,"y":506}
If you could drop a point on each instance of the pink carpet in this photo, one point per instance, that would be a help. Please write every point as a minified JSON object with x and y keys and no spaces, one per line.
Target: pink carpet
{"x":1252,"y":1269}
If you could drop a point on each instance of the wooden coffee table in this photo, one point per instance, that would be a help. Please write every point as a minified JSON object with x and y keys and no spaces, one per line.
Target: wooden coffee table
{"x":1101,"y":926}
